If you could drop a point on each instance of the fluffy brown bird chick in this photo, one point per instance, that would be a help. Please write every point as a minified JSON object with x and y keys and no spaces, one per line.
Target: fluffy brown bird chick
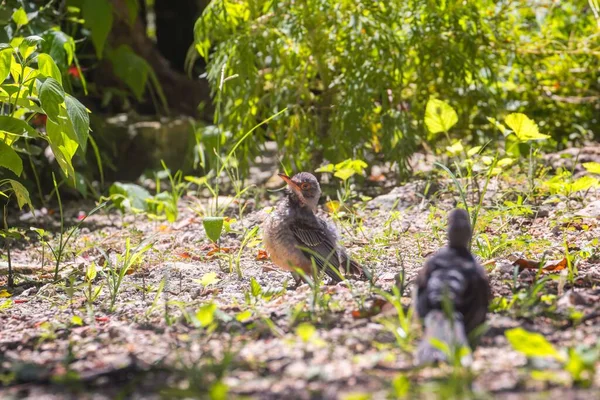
{"x":454,"y":278}
{"x":295,"y":237}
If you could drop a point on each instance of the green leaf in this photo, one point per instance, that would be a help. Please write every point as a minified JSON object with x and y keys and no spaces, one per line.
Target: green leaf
{"x":28,"y":45}
{"x":344,"y":174}
{"x":326,"y":168}
{"x":79,"y":118}
{"x":209,"y":279}
{"x":62,"y":146}
{"x":13,"y":128}
{"x":21,"y":193}
{"x":206,"y":314}
{"x":20,"y":17}
{"x":132,"y":69}
{"x":531,"y":344}
{"x":455,"y":149}
{"x":6,"y":58}
{"x":10,"y":159}
{"x":129,"y":196}
{"x":244,"y":316}
{"x":76,"y":320}
{"x":133,"y":11}
{"x":583,"y":183}
{"x":305,"y":331}
{"x":60,"y":46}
{"x":90,"y":273}
{"x":592,"y":167}
{"x":98,"y":15}
{"x":213,"y":227}
{"x":439,"y":116}
{"x":51,"y":96}
{"x":48,"y":68}
{"x":524,"y":128}
{"x":255,"y":288}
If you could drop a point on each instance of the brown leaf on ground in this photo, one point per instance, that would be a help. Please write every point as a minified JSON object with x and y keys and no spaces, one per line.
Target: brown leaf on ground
{"x":262,"y":255}
{"x":549,"y":266}
{"x":375,"y":308}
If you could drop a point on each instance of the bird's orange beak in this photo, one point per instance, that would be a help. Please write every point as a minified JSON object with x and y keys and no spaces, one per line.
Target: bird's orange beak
{"x":293,"y":185}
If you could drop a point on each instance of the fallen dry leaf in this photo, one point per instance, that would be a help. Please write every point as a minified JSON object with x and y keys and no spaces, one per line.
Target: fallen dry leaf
{"x":262,"y":255}
{"x":375,"y":308}
{"x":20,"y":301}
{"x":549,"y":266}
{"x":102,"y":319}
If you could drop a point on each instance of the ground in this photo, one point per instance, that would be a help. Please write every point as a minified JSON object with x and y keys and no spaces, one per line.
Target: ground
{"x":188,"y":323}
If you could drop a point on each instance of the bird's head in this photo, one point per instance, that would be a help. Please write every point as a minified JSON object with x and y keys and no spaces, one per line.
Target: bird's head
{"x":459,"y":228}
{"x":303,"y":189}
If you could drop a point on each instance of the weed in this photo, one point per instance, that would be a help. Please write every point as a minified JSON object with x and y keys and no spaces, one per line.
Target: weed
{"x":114,"y":273}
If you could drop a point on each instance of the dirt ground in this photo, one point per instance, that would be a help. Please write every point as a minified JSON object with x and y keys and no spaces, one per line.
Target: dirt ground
{"x":262,"y":346}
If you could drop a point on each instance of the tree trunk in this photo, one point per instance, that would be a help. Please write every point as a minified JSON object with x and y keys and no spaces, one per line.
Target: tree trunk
{"x":183,"y":94}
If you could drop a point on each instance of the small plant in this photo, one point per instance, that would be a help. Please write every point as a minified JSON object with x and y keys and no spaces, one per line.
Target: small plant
{"x":344,"y":171}
{"x":166,"y":202}
{"x":579,"y":361}
{"x":65,"y":236}
{"x":91,"y":293}
{"x":402,"y":326}
{"x":114,"y":273}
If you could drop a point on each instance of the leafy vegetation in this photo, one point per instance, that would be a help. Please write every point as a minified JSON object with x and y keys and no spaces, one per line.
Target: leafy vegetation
{"x":162,"y":278}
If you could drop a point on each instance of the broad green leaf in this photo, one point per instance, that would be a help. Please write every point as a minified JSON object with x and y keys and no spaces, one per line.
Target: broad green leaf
{"x":208,"y":279}
{"x":255,"y":288}
{"x":76,"y":320}
{"x":531,"y":344}
{"x":21,"y":194}
{"x":244,"y":316}
{"x":592,"y":167}
{"x":129,"y":196}
{"x":358,"y":166}
{"x":12,"y":128}
{"x":455,"y":149}
{"x":439,"y":116}
{"x":305,"y":331}
{"x":474,"y":150}
{"x":344,"y":174}
{"x":62,"y":146}
{"x":28,"y":45}
{"x":10,"y":159}
{"x":20,"y":17}
{"x":131,"y":69}
{"x":90,"y":273}
{"x":48,"y":68}
{"x":6,"y":304}
{"x":79,"y":118}
{"x":584,"y":183}
{"x":133,"y":10}
{"x":213,"y":227}
{"x":51,"y":96}
{"x":60,"y":46}
{"x":524,"y":128}
{"x":6,"y":58}
{"x":326,"y":168}
{"x":98,"y":15}
{"x":206,"y":314}
{"x":505,"y":162}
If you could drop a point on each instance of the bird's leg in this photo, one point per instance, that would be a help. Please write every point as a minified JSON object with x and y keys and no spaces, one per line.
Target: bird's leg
{"x":297,"y":281}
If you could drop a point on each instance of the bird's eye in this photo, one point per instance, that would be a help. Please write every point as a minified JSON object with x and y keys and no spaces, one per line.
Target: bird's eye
{"x":305,"y":186}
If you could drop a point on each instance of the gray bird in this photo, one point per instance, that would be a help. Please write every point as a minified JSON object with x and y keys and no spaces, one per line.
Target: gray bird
{"x":295,"y":237}
{"x":452,"y":293}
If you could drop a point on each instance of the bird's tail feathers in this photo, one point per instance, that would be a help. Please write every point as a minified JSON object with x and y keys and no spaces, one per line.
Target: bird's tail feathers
{"x":444,"y":340}
{"x":351,"y":267}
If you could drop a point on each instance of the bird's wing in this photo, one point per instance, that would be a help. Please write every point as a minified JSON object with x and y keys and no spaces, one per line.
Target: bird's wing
{"x":317,"y":243}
